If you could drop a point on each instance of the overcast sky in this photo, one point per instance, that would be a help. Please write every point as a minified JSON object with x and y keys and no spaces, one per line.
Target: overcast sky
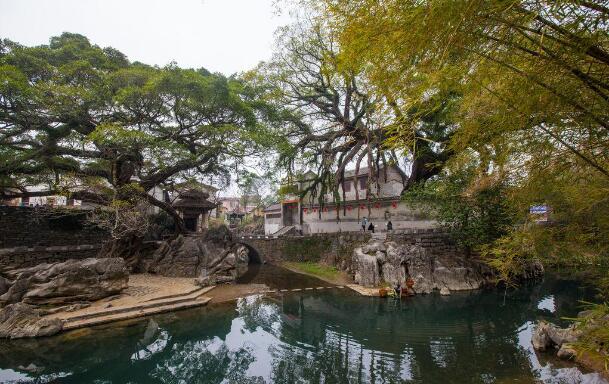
{"x":225,"y":36}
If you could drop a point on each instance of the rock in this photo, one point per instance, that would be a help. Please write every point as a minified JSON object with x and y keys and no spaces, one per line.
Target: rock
{"x":560,"y":336}
{"x":546,"y":335}
{"x":22,"y":320}
{"x":64,"y":308}
{"x":373,"y":246}
{"x":5,"y":284}
{"x":66,"y":282}
{"x":445,"y":291}
{"x":540,"y":339}
{"x":32,"y":368}
{"x":566,"y":352}
{"x":366,"y":269}
{"x":205,"y":281}
{"x":206,"y":257}
{"x":77,"y":306}
{"x":394,"y":263}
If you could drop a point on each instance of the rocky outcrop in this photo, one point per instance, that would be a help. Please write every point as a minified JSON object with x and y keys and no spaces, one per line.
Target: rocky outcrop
{"x":547,"y":336}
{"x":22,"y":320}
{"x":211,"y":258}
{"x":389,"y":262}
{"x":66,"y":282}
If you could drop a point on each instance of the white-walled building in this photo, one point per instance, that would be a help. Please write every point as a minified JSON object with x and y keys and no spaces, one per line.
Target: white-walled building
{"x":346,"y":214}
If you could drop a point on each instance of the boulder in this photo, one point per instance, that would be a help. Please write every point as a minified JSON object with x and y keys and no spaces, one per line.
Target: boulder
{"x":23,"y":320}
{"x":366,"y":269}
{"x":66,"y":282}
{"x":211,"y":258}
{"x":394,"y":263}
{"x":566,"y":352}
{"x":547,"y":335}
{"x":5,"y":284}
{"x":540,"y":339}
{"x":445,"y":291}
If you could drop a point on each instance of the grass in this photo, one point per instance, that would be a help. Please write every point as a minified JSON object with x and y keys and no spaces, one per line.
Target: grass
{"x":324,"y":272}
{"x":594,"y":340}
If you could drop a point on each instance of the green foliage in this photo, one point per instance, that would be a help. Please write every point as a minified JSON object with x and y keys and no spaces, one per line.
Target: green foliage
{"x":524,"y":85}
{"x":287,"y":189}
{"x":476,"y":216}
{"x":74,"y":117}
{"x":593,"y":343}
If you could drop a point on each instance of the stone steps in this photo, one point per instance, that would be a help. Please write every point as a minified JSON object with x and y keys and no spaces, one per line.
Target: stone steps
{"x":159,"y":301}
{"x":188,"y":293}
{"x":134,"y":313}
{"x":168,"y":303}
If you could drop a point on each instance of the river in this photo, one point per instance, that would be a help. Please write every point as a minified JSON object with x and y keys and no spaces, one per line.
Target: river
{"x":322,"y":336}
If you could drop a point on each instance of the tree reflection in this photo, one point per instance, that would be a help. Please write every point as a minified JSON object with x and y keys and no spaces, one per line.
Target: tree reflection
{"x":327,"y":336}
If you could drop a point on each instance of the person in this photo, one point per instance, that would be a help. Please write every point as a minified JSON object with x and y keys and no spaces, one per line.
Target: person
{"x":364,"y":223}
{"x":389,"y":225}
{"x":398,"y":290}
{"x":371,"y":227}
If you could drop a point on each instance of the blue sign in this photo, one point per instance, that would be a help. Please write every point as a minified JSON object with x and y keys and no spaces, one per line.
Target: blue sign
{"x":538,"y":209}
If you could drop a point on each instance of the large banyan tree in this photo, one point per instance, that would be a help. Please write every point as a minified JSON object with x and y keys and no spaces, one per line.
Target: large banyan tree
{"x":335,"y":120}
{"x":85,"y":122}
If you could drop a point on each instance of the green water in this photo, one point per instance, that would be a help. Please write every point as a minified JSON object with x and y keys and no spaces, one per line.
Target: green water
{"x":330,"y":336}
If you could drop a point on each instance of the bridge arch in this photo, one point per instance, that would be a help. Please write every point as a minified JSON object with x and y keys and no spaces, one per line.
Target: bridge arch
{"x":254,"y":255}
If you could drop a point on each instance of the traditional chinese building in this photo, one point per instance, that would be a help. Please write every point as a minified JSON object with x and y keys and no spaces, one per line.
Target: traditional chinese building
{"x":194,"y":207}
{"x":308,"y":215}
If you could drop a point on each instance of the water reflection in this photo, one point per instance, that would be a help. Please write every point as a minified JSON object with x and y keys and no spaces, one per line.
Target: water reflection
{"x":314,"y":337}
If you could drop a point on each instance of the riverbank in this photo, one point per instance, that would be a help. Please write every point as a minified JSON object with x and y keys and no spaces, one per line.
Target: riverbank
{"x":320,"y":271}
{"x":149,"y":294}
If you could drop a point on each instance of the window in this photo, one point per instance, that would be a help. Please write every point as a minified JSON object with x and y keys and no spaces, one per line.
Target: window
{"x":346,"y":186}
{"x":362,"y":182}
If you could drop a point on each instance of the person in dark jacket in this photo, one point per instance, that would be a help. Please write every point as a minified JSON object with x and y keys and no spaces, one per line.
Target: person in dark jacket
{"x":389,"y":225}
{"x":371,"y":227}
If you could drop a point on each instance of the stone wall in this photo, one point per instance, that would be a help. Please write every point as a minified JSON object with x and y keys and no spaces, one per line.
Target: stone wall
{"x":331,"y":248}
{"x":42,"y":226}
{"x":436,"y":241}
{"x":337,"y":248}
{"x":35,"y":235}
{"x":21,"y":257}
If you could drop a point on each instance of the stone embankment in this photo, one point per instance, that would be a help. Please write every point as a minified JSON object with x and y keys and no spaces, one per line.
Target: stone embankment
{"x":389,"y":262}
{"x":429,"y":258}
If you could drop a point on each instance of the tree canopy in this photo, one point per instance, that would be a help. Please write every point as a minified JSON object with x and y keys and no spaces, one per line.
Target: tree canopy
{"x":531,"y":112}
{"x":84,"y":121}
{"x":334,"y":118}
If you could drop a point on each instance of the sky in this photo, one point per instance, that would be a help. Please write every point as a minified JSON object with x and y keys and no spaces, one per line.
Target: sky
{"x":226,"y":36}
